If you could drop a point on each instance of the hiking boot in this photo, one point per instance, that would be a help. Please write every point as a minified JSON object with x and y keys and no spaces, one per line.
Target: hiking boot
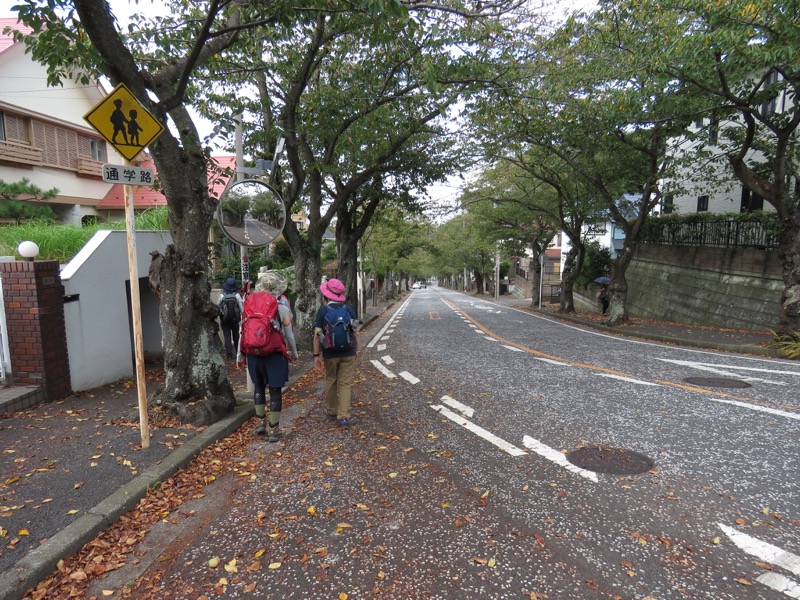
{"x":343,"y":422}
{"x":275,"y":433}
{"x":262,"y":428}
{"x":331,"y":415}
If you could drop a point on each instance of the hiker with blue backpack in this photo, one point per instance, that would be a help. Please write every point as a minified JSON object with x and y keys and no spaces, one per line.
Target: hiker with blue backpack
{"x":335,"y":349}
{"x":230,"y":314}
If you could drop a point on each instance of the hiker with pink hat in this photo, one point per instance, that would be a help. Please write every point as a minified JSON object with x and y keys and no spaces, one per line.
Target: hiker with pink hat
{"x":335,"y":349}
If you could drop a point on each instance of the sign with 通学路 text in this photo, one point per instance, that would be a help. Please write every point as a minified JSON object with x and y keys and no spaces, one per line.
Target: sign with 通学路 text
{"x":124,"y":122}
{"x":128,"y":175}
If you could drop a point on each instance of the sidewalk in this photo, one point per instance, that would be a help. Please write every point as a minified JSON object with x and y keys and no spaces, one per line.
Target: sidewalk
{"x":69,"y":469}
{"x":693,"y":336}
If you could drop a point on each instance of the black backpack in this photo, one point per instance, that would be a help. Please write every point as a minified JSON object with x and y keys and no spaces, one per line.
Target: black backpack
{"x":338,"y":333}
{"x":229,"y":311}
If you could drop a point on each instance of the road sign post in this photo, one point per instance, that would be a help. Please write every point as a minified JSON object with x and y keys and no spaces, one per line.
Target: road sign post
{"x":129,"y":127}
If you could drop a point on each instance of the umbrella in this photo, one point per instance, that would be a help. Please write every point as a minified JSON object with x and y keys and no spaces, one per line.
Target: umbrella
{"x":603,"y":280}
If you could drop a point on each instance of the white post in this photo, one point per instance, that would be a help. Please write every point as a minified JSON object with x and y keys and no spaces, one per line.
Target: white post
{"x":497,"y":272}
{"x":542,"y":258}
{"x":243,"y":257}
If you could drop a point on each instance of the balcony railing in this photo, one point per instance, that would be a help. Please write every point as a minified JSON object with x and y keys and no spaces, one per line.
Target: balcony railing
{"x":20,"y":153}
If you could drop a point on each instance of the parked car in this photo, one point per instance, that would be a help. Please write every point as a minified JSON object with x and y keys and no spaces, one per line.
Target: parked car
{"x":415,"y":285}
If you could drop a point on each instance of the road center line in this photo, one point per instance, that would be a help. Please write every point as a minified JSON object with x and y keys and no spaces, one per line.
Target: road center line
{"x":557,"y":457}
{"x":479,"y":431}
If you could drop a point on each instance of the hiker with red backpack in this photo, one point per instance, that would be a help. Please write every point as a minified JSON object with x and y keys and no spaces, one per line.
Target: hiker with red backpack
{"x":267,"y":344}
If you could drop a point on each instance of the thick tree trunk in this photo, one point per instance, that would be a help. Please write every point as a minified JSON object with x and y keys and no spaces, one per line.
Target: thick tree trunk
{"x":789,"y":253}
{"x":572,"y":267}
{"x":618,"y":290}
{"x":309,"y":298}
{"x":196,"y":388}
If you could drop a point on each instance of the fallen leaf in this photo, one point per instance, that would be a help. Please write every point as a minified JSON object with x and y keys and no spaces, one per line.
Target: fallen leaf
{"x":107,"y":592}
{"x":213,"y":563}
{"x":312,"y":511}
{"x":743,"y":581}
{"x":23,"y":532}
{"x":275,"y":565}
{"x":343,"y":596}
{"x":231,"y":567}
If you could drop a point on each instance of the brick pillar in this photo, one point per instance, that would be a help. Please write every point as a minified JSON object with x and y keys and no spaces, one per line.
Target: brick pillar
{"x":37,"y":336}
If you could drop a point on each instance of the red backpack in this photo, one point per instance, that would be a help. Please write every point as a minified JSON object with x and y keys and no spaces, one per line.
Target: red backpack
{"x":261,"y":326}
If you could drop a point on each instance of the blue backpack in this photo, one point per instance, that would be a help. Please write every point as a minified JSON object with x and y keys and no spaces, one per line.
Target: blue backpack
{"x":337,"y":330}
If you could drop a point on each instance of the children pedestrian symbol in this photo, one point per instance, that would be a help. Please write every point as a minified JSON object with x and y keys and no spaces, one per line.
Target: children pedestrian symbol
{"x":133,"y":128}
{"x":118,"y":120}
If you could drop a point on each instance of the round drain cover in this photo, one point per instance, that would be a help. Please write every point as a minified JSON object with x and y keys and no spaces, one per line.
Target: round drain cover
{"x":610,"y":460}
{"x":720,"y":382}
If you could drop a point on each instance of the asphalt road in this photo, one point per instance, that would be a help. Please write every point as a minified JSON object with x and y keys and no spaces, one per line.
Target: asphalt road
{"x":454,"y":480}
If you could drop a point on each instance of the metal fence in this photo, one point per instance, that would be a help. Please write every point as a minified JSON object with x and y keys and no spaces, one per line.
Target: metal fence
{"x":722,"y":234}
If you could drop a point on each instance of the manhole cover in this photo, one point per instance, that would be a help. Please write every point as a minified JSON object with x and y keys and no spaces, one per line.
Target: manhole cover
{"x":721,"y":382}
{"x":610,"y":460}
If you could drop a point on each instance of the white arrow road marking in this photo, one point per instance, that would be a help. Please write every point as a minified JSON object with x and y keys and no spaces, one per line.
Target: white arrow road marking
{"x":387,"y":359}
{"x":712,"y":368}
{"x":462,"y":408}
{"x":628,"y":379}
{"x":763,"y":550}
{"x":479,"y":431}
{"x":779,"y":583}
{"x":409,"y":377}
{"x":383,"y":369}
{"x":772,"y":411}
{"x":557,"y":457}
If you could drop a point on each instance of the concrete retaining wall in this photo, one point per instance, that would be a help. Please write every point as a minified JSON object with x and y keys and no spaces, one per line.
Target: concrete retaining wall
{"x":738,"y":288}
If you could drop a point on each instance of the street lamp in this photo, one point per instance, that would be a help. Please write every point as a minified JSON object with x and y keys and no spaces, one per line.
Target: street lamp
{"x":28,"y":250}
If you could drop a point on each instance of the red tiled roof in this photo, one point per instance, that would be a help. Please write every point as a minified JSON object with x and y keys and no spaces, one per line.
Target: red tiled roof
{"x":6,"y":39}
{"x":146,"y":197}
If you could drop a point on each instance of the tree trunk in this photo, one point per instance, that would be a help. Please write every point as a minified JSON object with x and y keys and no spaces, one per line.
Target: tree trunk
{"x":309,"y":299}
{"x":572,"y":267}
{"x":196,"y":388}
{"x":789,"y":253}
{"x":618,"y":290}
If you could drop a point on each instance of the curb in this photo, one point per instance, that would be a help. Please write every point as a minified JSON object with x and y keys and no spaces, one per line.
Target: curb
{"x":40,"y":562}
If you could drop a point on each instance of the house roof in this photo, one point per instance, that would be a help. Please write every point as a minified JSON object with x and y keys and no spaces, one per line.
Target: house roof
{"x":147,"y":197}
{"x":6,"y":39}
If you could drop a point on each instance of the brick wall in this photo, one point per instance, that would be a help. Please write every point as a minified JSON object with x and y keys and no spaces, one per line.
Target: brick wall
{"x":37,"y":340}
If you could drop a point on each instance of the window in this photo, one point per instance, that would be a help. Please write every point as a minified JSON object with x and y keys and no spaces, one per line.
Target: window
{"x":669,"y":204}
{"x":98,"y":148}
{"x":751,"y":201}
{"x":768,"y":108}
{"x":702,"y":203}
{"x":713,"y":130}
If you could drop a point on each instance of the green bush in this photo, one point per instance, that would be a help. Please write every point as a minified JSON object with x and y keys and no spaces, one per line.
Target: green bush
{"x":596,"y":263}
{"x":788,"y":346}
{"x":62,"y":242}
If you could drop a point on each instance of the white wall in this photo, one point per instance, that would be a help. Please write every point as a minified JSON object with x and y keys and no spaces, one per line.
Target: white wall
{"x":98,"y":323}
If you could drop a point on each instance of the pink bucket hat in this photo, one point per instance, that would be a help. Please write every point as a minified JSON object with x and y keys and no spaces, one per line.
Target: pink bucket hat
{"x":333,"y":289}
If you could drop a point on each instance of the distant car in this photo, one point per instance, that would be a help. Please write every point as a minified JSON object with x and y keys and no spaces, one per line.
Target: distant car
{"x":415,"y":285}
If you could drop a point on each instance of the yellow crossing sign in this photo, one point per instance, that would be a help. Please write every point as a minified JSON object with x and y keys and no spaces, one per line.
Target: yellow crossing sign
{"x":124,"y":123}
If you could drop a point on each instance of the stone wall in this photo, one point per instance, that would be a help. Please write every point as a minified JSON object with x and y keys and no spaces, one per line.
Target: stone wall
{"x":738,"y":288}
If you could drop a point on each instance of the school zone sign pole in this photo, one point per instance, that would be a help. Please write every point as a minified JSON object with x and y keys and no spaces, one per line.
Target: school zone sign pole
{"x":129,"y":127}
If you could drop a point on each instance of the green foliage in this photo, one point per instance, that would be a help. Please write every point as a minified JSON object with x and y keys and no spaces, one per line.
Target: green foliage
{"x":596,"y":263}
{"x":788,"y":346}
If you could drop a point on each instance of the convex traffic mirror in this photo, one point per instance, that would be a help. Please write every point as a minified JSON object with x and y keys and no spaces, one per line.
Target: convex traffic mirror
{"x":251,"y":213}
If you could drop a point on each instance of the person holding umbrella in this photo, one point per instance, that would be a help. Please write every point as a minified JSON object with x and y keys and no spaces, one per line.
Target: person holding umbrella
{"x":602,"y":292}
